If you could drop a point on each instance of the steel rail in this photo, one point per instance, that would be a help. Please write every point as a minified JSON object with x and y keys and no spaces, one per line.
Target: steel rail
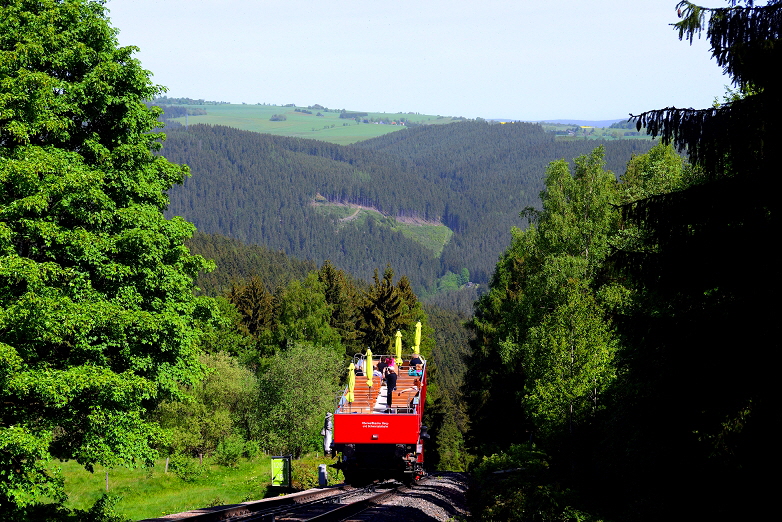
{"x":249,"y":508}
{"x":332,"y":514}
{"x":348,"y":510}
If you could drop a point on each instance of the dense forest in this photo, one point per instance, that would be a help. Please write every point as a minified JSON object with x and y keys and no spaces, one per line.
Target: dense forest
{"x":473,"y":177}
{"x":620,"y":365}
{"x":623,"y":364}
{"x":236,"y":262}
{"x":110,"y":354}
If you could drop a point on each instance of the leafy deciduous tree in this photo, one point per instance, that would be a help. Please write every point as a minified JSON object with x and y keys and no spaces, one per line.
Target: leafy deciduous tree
{"x":544,"y":347}
{"x":223,"y":403}
{"x":96,"y":304}
{"x":297,"y":388}
{"x":302,"y":314}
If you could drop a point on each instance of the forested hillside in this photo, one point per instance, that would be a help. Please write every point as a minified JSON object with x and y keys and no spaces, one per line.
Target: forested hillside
{"x":472,"y":177}
{"x":108,"y":358}
{"x":623,"y":361}
{"x":236,"y":262}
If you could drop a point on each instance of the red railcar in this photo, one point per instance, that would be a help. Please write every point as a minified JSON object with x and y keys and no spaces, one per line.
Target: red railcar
{"x":373,"y":440}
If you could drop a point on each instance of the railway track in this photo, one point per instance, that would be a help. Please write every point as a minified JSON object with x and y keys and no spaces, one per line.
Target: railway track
{"x":322,"y":505}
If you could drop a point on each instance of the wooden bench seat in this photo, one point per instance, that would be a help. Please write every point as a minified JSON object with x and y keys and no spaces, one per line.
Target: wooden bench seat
{"x":401,"y":401}
{"x":405,"y":396}
{"x":357,"y":407}
{"x":364,"y":391}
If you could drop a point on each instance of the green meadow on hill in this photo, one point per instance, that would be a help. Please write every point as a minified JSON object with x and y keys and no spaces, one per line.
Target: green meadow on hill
{"x":433,"y":236}
{"x":329,"y":126}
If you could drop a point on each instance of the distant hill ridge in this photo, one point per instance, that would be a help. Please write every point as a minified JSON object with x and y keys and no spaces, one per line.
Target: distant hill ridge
{"x":584,"y":123}
{"x":473,"y":177}
{"x":313,"y":121}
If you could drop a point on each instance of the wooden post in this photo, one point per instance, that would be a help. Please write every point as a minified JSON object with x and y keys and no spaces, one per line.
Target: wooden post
{"x":166,"y":471}
{"x":107,"y":480}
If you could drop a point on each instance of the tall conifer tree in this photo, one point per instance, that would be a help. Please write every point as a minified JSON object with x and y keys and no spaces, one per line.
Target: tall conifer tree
{"x":703,"y":335}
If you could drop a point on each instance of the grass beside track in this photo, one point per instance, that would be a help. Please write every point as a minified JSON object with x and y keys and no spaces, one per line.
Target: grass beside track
{"x":149,"y":492}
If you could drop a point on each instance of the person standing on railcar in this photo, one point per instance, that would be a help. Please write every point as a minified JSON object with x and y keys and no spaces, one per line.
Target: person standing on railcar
{"x":390,"y":374}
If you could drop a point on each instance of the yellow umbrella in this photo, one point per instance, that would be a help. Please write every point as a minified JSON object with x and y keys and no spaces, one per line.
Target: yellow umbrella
{"x":398,"y":347}
{"x":351,"y":382}
{"x":368,"y":367}
{"x":417,"y":337}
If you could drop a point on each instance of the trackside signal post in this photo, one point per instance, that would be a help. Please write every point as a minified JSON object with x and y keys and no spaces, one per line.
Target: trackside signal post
{"x":281,"y":471}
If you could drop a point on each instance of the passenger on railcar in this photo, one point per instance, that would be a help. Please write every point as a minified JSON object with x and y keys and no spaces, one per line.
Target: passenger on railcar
{"x":416,"y":366}
{"x":381,"y":366}
{"x":416,"y":387}
{"x":390,"y":375}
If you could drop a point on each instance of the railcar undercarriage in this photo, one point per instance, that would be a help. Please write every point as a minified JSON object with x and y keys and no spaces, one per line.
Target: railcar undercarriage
{"x":363,"y":463}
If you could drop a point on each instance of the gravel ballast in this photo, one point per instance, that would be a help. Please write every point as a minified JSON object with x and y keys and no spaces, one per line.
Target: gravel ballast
{"x":436,"y":497}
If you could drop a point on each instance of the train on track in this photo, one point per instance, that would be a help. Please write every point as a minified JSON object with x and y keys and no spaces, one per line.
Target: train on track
{"x":374,"y":438}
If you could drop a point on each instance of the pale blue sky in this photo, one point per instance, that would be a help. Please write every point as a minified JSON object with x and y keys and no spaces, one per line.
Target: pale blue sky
{"x":518,"y":59}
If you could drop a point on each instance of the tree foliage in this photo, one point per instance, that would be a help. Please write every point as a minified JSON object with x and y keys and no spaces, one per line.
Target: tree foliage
{"x":236,"y":261}
{"x":544,"y":346}
{"x":472,"y":177}
{"x":686,"y":279}
{"x":704,"y":272}
{"x":342,"y":296}
{"x":303,"y":315}
{"x":381,"y":313}
{"x":296,"y":389}
{"x":730,"y":139}
{"x":546,"y":359}
{"x":220,"y":405}
{"x":96,"y":305}
{"x":254,"y":304}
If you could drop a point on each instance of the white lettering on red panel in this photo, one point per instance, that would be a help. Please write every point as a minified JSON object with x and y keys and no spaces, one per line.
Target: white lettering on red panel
{"x":374,"y":424}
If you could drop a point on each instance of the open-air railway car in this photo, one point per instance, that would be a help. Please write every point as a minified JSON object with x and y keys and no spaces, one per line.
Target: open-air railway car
{"x":373,"y":441}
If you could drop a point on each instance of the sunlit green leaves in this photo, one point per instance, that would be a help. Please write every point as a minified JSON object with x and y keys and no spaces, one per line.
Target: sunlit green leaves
{"x":221,"y":404}
{"x":542,"y":320}
{"x":296,"y":390}
{"x":569,"y":359}
{"x":97,"y":315}
{"x":24,"y":479}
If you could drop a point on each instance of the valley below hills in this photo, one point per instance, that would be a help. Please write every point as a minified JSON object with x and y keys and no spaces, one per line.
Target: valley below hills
{"x":430,"y":200}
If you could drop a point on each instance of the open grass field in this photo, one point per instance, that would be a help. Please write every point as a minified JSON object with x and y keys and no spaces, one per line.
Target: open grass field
{"x":593,"y":133}
{"x":431,"y":236}
{"x":328,"y":127}
{"x":149,"y":492}
{"x":333,"y":129}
